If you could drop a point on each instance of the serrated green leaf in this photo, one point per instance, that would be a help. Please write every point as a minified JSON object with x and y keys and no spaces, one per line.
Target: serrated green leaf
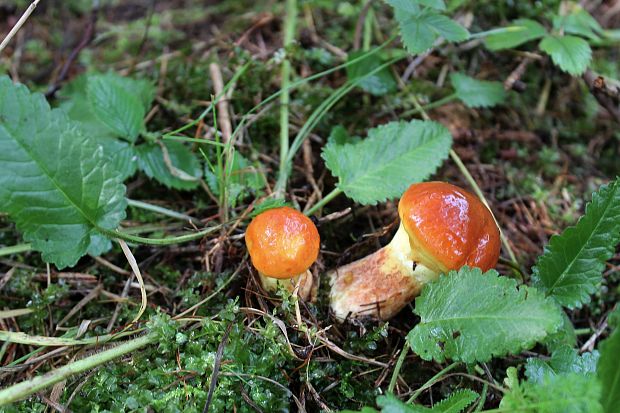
{"x":608,"y":372}
{"x":408,"y":6}
{"x":447,"y":28}
{"x":99,"y":245}
{"x":55,"y":183}
{"x":339,"y":136}
{"x":391,"y":404}
{"x":579,"y":22}
{"x":469,"y":316}
{"x":143,"y":89}
{"x":477,"y":93}
{"x":183,"y":170}
{"x":115,"y":105}
{"x":378,"y":84}
{"x":521,"y":31}
{"x":122,"y":155}
{"x":564,"y":337}
{"x":391,"y":158}
{"x":419,"y":31}
{"x":563,"y":360}
{"x":435,"y":4}
{"x":454,"y":403}
{"x":567,"y":393}
{"x":75,"y":103}
{"x":571,"y":267}
{"x":571,"y":54}
{"x":413,"y":6}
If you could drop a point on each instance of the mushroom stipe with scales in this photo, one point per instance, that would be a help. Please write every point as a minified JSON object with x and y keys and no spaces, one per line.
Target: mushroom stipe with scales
{"x":443,"y":228}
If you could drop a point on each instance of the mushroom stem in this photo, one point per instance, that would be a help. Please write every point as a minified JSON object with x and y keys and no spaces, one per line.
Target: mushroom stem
{"x":305,"y":280}
{"x":381,"y":284}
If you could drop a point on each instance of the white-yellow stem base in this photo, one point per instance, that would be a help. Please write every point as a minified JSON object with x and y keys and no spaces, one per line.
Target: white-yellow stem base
{"x":379,"y":285}
{"x":305,"y":281}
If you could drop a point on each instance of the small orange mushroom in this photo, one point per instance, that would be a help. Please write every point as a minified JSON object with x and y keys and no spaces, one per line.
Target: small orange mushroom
{"x":443,"y":228}
{"x":283,"y":243}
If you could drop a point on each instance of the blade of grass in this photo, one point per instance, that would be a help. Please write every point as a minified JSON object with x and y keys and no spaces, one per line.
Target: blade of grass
{"x":161,"y":210}
{"x":26,"y":388}
{"x":15,"y":249}
{"x":290,"y":21}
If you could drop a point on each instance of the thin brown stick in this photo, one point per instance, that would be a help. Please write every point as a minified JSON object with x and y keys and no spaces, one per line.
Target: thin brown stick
{"x":19,"y":24}
{"x":223,"y":116}
{"x":94,"y":293}
{"x":89,"y":35}
{"x":606,"y":91}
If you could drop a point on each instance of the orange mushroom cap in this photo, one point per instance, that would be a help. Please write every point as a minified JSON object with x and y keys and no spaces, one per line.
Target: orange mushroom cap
{"x":282,"y":242}
{"x":448,"y":227}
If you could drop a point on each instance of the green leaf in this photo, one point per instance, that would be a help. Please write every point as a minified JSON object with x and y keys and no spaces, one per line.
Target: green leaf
{"x":183,"y":171}
{"x":55,"y":184}
{"x":435,"y":4}
{"x":391,"y":404}
{"x":469,"y":316}
{"x":116,"y":105}
{"x":564,"y":337}
{"x":75,"y":103}
{"x":571,"y":54}
{"x":413,"y":6}
{"x":454,"y":403}
{"x":446,"y":27}
{"x":378,"y":84}
{"x":608,"y":372}
{"x":339,"y":136}
{"x":404,"y":6}
{"x":579,"y":22}
{"x":477,"y":93}
{"x":122,"y":155}
{"x":564,"y":360}
{"x":571,"y":267}
{"x":391,"y":158}
{"x":99,"y":245}
{"x":567,"y":393}
{"x":419,"y":31}
{"x":521,"y":31}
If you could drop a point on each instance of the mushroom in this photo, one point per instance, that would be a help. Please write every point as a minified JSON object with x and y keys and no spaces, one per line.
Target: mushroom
{"x":283,"y":243}
{"x":443,"y":228}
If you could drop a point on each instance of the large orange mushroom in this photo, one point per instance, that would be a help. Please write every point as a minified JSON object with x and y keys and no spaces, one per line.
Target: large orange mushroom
{"x":443,"y":228}
{"x":283,"y":243}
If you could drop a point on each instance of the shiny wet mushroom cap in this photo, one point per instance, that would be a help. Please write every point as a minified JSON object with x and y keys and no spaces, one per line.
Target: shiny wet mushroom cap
{"x":283,"y":243}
